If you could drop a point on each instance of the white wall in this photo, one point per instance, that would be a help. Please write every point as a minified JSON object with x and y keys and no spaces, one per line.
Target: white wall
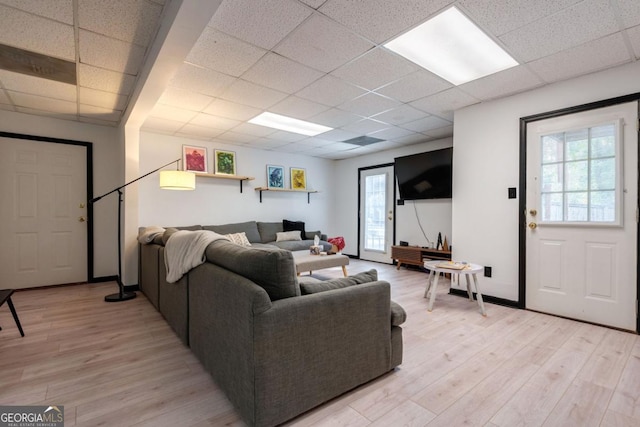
{"x":219,"y":201}
{"x":107,"y":172}
{"x":486,"y":163}
{"x":435,"y":215}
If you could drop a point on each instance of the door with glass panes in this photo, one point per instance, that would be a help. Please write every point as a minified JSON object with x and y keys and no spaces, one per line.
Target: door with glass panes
{"x":376,"y":214}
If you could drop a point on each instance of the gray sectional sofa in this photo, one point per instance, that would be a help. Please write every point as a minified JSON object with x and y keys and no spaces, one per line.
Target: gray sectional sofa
{"x":275,"y":351}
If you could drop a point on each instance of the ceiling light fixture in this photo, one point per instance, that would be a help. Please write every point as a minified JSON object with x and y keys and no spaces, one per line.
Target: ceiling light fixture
{"x":453,"y":47}
{"x":289,"y":124}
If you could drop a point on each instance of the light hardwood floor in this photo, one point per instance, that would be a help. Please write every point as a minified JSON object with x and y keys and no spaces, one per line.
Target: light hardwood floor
{"x":119,"y":364}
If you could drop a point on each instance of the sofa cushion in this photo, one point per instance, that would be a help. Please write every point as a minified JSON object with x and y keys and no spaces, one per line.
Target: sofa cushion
{"x":271,"y":268}
{"x":398,"y":315}
{"x":287,"y":236}
{"x":268,"y":231}
{"x":238,"y":239}
{"x":294,"y":225}
{"x":307,"y":288}
{"x":250,"y":228}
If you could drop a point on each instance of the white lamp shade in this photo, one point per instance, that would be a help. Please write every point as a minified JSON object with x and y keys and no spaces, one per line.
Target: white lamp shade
{"x":177,"y":180}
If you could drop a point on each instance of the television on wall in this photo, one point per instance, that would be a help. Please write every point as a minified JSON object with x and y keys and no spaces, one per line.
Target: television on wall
{"x":426,"y":175}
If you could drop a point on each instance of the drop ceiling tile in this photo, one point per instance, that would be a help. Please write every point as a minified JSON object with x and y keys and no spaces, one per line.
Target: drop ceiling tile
{"x":335,"y":118}
{"x":201,"y":80}
{"x":315,"y":142}
{"x":100,"y":113}
{"x":369,"y":104}
{"x":366,"y":126}
{"x":199,"y":131}
{"x":445,"y":102}
{"x":161,"y":125}
{"x":38,"y":86}
{"x":403,"y":114}
{"x":216,"y":122}
{"x":292,"y":148}
{"x":247,"y":93}
{"x":426,"y":124}
{"x":501,"y":16}
{"x":414,"y":86}
{"x":634,"y":37}
{"x":287,"y":136}
{"x":105,"y":52}
{"x":213,"y":45}
{"x":128,"y":20}
{"x":106,"y":80}
{"x":280,"y":73}
{"x":393,"y":132}
{"x":103,"y":99}
{"x":338,"y":135}
{"x":236,"y":137}
{"x":59,"y":10}
{"x":630,"y":12}
{"x":172,"y":113}
{"x":590,"y":57}
{"x":262,"y":23}
{"x":96,"y":121}
{"x":43,"y":104}
{"x":255,"y":130}
{"x":231,"y":110}
{"x":379,"y":20}
{"x":322,"y":44}
{"x":314,"y":3}
{"x":44,"y":113}
{"x":330,"y":90}
{"x":298,"y":108}
{"x":184,"y":99}
{"x":376,"y":68}
{"x":507,"y":82}
{"x":339,"y":146}
{"x":412,"y":139}
{"x":444,"y":132}
{"x":573,"y":26}
{"x":41,"y":35}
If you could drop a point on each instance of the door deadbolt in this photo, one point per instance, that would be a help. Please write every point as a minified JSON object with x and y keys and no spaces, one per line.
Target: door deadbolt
{"x":533,"y":212}
{"x":82,"y":219}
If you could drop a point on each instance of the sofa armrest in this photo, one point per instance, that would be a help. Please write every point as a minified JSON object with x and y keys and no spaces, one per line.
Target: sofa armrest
{"x":311,"y":348}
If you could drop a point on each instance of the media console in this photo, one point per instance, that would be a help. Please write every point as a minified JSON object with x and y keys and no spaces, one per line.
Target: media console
{"x":415,"y":255}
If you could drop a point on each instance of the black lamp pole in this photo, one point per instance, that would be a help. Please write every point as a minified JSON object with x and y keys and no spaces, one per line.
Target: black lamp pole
{"x":122,"y":295}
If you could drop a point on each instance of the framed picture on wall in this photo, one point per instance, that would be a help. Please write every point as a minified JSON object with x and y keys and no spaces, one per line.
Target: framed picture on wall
{"x":275,"y":176}
{"x":298,"y":178}
{"x":225,"y":162}
{"x":194,"y":159}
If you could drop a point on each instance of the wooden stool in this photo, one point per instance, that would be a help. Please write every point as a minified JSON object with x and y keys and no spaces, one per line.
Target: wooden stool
{"x":5,"y":295}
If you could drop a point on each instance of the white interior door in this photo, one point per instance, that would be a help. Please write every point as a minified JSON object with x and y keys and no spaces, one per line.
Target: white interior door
{"x":376,"y":214}
{"x":582,"y":195}
{"x":42,"y":214}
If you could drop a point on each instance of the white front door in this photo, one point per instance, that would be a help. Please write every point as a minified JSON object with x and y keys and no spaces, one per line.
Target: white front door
{"x":376,"y":214}
{"x":42,"y":214}
{"x":582,"y":195}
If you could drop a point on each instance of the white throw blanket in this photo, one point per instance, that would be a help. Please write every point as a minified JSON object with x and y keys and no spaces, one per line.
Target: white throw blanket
{"x":147,"y":235}
{"x":185,"y":250}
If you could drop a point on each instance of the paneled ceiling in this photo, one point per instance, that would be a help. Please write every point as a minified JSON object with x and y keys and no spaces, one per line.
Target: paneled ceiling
{"x":316,"y":60}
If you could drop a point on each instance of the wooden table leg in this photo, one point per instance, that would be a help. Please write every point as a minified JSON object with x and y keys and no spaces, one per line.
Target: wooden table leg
{"x":434,"y":288}
{"x":479,"y":294}
{"x":15,"y":315}
{"x":429,"y":279}
{"x":344,"y":270}
{"x":469,"y":288}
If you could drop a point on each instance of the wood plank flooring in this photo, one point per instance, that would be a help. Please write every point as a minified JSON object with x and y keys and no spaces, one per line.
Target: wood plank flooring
{"x":120,"y":364}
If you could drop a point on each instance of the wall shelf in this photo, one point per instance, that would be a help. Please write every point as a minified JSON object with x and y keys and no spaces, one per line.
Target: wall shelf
{"x":287,"y":190}
{"x":240,"y":178}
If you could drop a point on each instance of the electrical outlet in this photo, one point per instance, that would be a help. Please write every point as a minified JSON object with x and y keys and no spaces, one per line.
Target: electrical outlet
{"x":512,"y":192}
{"x":487,"y":272}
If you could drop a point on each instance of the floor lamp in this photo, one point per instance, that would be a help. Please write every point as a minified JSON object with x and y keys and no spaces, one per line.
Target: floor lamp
{"x":169,"y":180}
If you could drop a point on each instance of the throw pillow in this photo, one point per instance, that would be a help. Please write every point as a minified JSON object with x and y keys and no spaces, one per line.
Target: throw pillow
{"x":343,"y":282}
{"x":238,"y":238}
{"x":285,"y":236}
{"x":294,"y":225}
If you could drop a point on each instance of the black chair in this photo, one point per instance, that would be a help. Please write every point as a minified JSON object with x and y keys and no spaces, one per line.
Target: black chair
{"x":5,"y":295}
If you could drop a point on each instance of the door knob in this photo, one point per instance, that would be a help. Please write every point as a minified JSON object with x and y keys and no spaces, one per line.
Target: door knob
{"x":533,"y":225}
{"x":82,"y":219}
{"x":390,"y":217}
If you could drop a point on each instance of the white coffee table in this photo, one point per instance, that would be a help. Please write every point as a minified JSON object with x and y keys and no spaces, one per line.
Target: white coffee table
{"x":435,"y":272}
{"x":307,"y":262}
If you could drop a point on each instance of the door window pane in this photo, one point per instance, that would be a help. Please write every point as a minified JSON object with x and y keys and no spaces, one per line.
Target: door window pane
{"x":374,"y":212}
{"x":580,"y":175}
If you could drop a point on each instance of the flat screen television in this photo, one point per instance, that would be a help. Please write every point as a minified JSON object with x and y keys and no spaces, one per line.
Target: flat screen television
{"x":425,"y":175}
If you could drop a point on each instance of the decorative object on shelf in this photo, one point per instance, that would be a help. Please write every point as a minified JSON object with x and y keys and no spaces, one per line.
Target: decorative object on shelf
{"x":445,"y":244}
{"x":275,"y":176}
{"x":439,"y":244}
{"x":298,"y":178}
{"x":174,"y":180}
{"x":225,"y":162}
{"x":194,"y":159}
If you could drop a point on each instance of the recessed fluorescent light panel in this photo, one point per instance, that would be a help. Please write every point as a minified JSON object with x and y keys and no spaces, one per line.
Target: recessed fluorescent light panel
{"x":453,"y":47}
{"x":289,"y":124}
